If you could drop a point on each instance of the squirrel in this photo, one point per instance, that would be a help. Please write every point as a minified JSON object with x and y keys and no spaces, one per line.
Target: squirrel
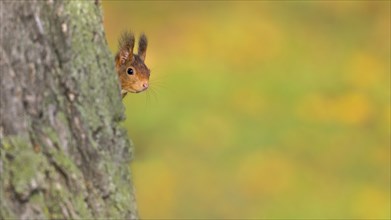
{"x":132,"y":72}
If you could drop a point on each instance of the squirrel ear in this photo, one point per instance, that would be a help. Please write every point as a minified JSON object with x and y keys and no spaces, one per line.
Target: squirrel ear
{"x":142,"y":46}
{"x":125,"y":46}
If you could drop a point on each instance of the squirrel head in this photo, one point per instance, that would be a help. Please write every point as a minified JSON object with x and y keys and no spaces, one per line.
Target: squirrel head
{"x":131,"y":69}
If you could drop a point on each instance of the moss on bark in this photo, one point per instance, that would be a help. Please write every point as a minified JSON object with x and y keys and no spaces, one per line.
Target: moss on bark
{"x":63,"y":153}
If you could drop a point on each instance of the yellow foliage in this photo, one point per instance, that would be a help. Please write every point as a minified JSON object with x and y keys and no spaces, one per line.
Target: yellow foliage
{"x":365,"y":71}
{"x":342,"y":8}
{"x":263,"y":174}
{"x":248,"y":102}
{"x":370,"y":203}
{"x":155,"y":184}
{"x":352,"y":108}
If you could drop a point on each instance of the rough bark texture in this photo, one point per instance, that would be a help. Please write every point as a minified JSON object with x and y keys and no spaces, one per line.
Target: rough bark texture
{"x":63,"y":154}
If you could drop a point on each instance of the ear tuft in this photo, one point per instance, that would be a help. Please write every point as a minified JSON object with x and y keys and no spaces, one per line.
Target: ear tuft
{"x":125,"y":47}
{"x":142,"y":46}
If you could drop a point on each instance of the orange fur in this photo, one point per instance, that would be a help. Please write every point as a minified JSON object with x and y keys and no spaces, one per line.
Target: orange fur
{"x":138,"y":81}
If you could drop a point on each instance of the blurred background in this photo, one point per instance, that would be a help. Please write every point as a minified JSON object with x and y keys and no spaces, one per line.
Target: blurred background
{"x":269,"y":109}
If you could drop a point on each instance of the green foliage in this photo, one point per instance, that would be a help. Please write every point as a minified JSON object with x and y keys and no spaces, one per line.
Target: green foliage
{"x":262,"y":109}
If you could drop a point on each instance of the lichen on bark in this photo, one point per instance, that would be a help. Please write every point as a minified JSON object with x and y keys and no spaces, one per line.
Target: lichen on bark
{"x":63,"y":153}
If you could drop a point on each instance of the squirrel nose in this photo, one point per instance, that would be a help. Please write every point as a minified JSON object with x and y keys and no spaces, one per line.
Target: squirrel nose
{"x":145,"y":85}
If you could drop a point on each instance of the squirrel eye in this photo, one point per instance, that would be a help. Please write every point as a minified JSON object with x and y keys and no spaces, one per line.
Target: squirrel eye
{"x":130,"y":71}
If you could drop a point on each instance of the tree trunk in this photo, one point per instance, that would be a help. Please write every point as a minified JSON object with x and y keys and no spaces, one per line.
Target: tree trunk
{"x":63,"y":153}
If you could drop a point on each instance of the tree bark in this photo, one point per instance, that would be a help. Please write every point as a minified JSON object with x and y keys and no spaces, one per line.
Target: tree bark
{"x":63,"y":153}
